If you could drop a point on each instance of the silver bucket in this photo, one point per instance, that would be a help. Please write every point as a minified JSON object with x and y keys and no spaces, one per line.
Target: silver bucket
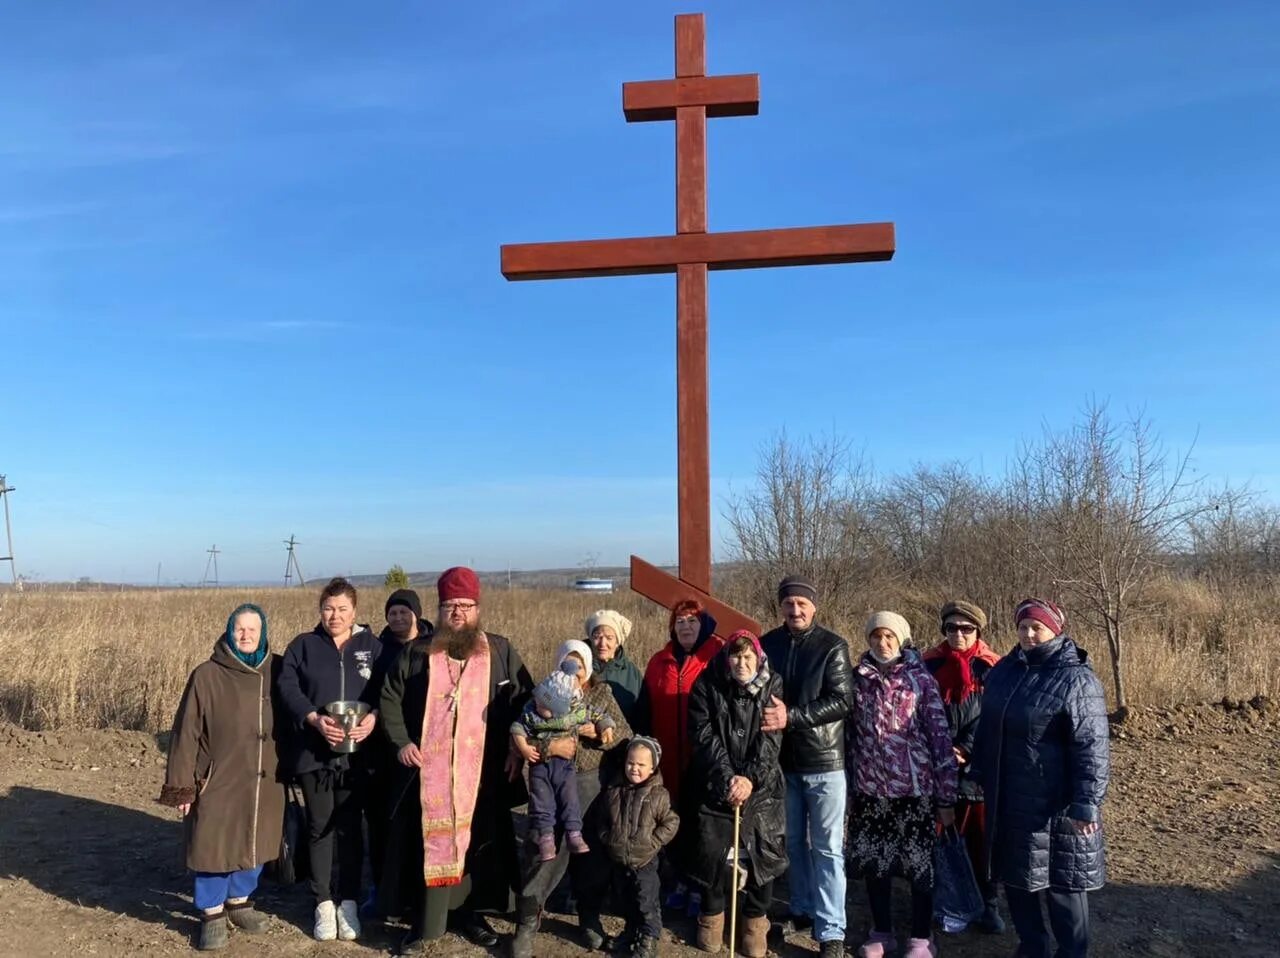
{"x":347,"y":714}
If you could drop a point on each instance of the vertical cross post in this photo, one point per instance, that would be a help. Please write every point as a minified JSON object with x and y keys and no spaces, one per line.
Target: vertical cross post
{"x":693,"y":432}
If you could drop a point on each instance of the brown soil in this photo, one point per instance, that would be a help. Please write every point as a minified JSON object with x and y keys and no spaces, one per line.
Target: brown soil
{"x":89,"y":865}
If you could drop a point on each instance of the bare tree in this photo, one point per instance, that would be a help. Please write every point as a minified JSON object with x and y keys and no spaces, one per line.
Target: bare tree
{"x":1100,"y":508}
{"x":1237,"y":540}
{"x":807,"y":515}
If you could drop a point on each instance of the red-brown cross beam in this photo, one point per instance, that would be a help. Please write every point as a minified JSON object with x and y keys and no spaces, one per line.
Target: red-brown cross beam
{"x":690,"y":98}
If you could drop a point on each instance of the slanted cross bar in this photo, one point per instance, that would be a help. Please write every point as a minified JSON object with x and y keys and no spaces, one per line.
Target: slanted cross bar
{"x":690,"y":98}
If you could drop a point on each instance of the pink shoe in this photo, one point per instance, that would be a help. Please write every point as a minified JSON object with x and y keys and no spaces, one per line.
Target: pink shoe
{"x":546,"y":847}
{"x":577,"y":844}
{"x":920,"y":948}
{"x":879,"y":945}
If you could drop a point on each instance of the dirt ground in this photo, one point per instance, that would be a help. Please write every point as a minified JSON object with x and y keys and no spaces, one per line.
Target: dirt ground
{"x":90,"y":865}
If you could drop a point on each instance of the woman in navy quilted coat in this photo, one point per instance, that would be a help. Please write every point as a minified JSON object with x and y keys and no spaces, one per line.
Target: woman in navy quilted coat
{"x":1043,"y":759}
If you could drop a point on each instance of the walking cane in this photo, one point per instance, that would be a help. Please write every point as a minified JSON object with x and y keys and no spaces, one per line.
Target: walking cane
{"x":733,"y":900}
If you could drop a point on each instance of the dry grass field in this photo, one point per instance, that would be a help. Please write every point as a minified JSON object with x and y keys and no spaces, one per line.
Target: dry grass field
{"x":119,"y":660}
{"x":89,"y":864}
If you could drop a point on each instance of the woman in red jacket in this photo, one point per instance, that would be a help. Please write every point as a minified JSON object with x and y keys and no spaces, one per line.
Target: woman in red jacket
{"x":662,"y":709}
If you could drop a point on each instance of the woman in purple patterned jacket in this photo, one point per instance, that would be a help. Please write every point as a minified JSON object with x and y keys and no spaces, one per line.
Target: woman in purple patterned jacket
{"x":902,"y":774}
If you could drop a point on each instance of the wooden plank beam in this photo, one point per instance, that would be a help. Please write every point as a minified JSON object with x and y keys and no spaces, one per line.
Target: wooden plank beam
{"x":733,"y":95}
{"x":693,"y":427}
{"x":800,"y":246}
{"x":666,"y":590}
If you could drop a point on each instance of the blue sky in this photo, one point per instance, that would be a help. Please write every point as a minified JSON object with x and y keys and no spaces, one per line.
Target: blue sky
{"x":249,"y":276}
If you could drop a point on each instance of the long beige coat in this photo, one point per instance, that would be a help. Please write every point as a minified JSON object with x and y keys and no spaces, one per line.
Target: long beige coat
{"x":222,"y":758}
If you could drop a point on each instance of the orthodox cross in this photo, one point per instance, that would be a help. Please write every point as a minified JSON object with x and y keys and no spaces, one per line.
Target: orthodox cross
{"x":690,"y":98}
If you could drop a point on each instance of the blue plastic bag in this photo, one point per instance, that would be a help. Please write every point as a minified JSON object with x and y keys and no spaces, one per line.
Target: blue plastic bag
{"x":956,"y":899}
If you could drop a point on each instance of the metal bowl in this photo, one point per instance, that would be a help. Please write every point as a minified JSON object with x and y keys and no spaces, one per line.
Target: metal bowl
{"x":348,"y":714}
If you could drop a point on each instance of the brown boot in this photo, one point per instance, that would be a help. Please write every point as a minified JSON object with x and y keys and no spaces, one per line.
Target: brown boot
{"x":710,"y":932}
{"x":755,"y":932}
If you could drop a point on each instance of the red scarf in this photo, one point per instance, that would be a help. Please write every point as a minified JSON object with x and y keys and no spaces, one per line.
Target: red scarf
{"x":955,"y":674}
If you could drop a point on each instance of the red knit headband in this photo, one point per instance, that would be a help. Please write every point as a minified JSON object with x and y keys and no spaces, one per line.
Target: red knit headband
{"x":1042,"y":611}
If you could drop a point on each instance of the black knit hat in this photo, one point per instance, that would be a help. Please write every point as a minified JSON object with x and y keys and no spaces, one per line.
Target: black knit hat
{"x":797,"y":585}
{"x":405,"y":597}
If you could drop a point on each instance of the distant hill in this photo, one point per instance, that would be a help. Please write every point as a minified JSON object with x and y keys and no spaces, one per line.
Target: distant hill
{"x":522,"y":579}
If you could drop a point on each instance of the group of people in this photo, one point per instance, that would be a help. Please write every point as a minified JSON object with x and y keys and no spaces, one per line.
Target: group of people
{"x":821,"y":764}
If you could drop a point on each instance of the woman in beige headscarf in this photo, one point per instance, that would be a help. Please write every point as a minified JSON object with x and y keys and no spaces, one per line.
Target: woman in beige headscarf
{"x":607,"y":631}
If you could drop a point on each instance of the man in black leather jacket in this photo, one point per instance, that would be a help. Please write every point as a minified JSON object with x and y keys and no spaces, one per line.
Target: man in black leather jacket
{"x":817,"y":687}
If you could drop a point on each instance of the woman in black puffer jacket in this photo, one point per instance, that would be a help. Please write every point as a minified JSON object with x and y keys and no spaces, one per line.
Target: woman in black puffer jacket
{"x":1043,"y":759}
{"x":735,"y":764}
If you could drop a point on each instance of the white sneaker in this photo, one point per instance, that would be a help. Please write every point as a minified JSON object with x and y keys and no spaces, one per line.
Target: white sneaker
{"x":326,"y":924}
{"x":348,"y":920}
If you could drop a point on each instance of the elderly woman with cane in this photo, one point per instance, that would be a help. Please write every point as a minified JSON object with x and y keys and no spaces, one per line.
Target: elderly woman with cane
{"x":740,"y":843}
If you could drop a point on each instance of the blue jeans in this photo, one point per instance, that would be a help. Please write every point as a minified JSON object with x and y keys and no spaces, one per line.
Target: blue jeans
{"x":553,"y":796}
{"x":815,"y":845}
{"x":214,"y":888}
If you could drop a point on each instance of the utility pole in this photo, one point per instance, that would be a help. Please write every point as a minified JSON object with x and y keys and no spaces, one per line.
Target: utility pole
{"x":158,"y":565}
{"x":212,"y":561}
{"x":5,"y":489}
{"x":291,"y":563}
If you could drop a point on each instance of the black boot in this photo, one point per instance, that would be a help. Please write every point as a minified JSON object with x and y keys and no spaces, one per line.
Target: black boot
{"x":593,"y":935}
{"x":990,"y":920}
{"x":213,"y":932}
{"x":645,"y":947}
{"x":472,"y":927}
{"x":247,"y":918}
{"x":522,"y":943}
{"x":833,"y":948}
{"x":623,"y":944}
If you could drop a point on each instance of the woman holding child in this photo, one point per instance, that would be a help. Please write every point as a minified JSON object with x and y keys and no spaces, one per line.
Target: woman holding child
{"x":588,"y":754}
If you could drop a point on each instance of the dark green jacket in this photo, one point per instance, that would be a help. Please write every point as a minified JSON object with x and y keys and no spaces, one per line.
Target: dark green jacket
{"x":624,"y":678}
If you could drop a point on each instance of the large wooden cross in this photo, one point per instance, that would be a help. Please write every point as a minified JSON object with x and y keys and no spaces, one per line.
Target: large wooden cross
{"x":689,"y":99}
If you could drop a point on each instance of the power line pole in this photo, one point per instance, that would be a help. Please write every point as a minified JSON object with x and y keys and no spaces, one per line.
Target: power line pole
{"x":291,"y":563}
{"x":5,"y":489}
{"x":212,"y":561}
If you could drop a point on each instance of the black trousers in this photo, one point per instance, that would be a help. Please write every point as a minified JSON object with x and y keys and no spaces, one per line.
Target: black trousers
{"x":1068,"y":916}
{"x":880,"y":897}
{"x":638,"y":890}
{"x":642,"y":894}
{"x":754,"y":902}
{"x":377,"y":816}
{"x":588,"y":874}
{"x":335,"y":808}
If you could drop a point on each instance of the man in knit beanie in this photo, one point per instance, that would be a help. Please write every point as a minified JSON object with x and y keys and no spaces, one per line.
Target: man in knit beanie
{"x":405,"y":624}
{"x":817,"y":675}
